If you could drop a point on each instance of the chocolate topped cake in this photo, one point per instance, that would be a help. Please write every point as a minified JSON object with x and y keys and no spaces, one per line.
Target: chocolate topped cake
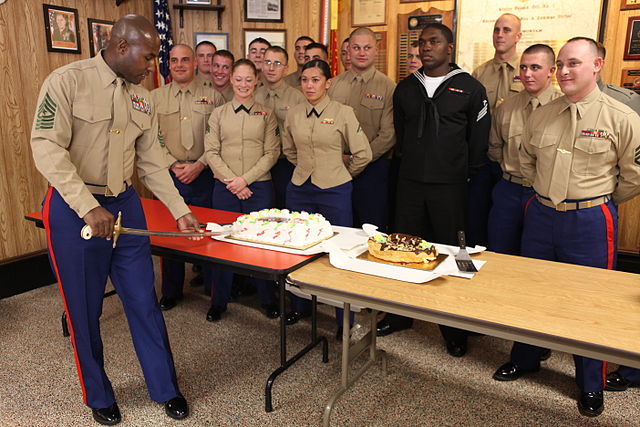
{"x":397,"y":247}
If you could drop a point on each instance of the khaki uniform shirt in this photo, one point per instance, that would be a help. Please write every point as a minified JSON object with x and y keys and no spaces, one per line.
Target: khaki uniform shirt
{"x":202,"y":81}
{"x":626,"y":96}
{"x":606,"y":147}
{"x":241,"y":143}
{"x":70,"y":136}
{"x":199,"y":103}
{"x":293,"y":79}
{"x":227,"y":93}
{"x":315,"y":143}
{"x":489,"y":74}
{"x":372,"y":101}
{"x":507,"y":125}
{"x":280,"y":100}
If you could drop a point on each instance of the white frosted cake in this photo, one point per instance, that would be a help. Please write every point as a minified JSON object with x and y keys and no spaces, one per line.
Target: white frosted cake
{"x":281,"y":227}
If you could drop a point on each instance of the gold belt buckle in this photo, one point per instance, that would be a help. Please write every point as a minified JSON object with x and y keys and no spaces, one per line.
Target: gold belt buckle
{"x":562,"y":207}
{"x":588,"y":203}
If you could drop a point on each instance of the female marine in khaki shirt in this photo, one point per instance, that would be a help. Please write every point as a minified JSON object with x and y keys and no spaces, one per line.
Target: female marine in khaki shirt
{"x":315,"y":134}
{"x":241,"y":147}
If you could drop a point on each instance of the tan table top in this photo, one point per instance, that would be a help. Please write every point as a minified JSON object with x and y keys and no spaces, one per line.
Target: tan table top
{"x":583,"y":310}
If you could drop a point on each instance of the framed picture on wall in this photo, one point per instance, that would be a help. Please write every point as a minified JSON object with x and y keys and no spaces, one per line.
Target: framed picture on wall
{"x":219,"y":40}
{"x":99,"y":34}
{"x":629,"y":4}
{"x":632,"y":40}
{"x":275,"y":37}
{"x":61,"y":29}
{"x":263,"y":11}
{"x":366,"y":13}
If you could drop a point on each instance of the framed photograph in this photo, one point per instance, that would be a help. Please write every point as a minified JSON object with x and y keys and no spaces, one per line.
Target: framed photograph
{"x":629,"y":4}
{"x":198,"y":2}
{"x":61,"y":29}
{"x":263,"y":11}
{"x":275,"y":37}
{"x":632,"y":40}
{"x":219,"y":40}
{"x":99,"y":34}
{"x":367,"y":13}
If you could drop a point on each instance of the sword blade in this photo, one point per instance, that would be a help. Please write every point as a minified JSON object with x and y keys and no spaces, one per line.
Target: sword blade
{"x":139,"y":232}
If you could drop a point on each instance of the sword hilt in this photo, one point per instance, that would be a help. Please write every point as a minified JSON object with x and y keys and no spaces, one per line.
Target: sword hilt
{"x":87,"y":232}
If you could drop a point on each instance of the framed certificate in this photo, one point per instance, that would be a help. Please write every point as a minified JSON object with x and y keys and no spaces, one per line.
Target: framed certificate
{"x":275,"y":37}
{"x":632,"y":43}
{"x":263,"y":11}
{"x":366,"y":13}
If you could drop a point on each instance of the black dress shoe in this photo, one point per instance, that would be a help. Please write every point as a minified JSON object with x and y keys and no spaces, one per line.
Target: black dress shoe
{"x":615,"y":382}
{"x":389,"y":325}
{"x":456,"y":349}
{"x":546,"y":353}
{"x":511,"y":372}
{"x":197,"y":281}
{"x":177,"y":408}
{"x":215,"y":313}
{"x":272,"y":311}
{"x":107,"y":416}
{"x":167,"y":303}
{"x":591,"y":404}
{"x":292,"y":317}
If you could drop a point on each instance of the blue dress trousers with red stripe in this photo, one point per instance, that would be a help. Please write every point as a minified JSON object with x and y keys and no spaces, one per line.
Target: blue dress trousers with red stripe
{"x":583,"y":237}
{"x":82,"y":268}
{"x":225,"y":200}
{"x":196,"y":193}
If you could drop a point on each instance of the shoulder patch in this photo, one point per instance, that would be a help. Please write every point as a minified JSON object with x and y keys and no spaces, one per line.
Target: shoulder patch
{"x":46,"y":117}
{"x":636,"y":159}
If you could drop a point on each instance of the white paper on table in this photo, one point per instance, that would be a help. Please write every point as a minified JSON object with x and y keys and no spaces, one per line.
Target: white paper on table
{"x":346,"y":259}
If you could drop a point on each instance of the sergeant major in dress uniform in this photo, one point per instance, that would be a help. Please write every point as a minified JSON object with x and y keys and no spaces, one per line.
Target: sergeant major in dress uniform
{"x":512,"y":193}
{"x":277,"y":95}
{"x":242,"y":146}
{"x":184,"y":108}
{"x":369,"y":93}
{"x":93,"y":121}
{"x":582,"y":154}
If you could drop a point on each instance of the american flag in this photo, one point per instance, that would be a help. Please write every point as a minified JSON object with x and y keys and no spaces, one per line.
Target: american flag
{"x":162,"y":22}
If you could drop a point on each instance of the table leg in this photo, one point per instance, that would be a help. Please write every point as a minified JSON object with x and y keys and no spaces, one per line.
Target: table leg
{"x":349,"y":354}
{"x":284,"y":362}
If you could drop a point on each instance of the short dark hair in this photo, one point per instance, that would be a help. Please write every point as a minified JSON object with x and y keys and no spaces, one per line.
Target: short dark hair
{"x":346,"y":40}
{"x":206,"y":43}
{"x":541,"y":48}
{"x":244,"y":61}
{"x":225,"y":54}
{"x":317,"y":46}
{"x":320,"y":64}
{"x":305,"y":38}
{"x":278,"y":49}
{"x":259,"y":40}
{"x":446,"y":31}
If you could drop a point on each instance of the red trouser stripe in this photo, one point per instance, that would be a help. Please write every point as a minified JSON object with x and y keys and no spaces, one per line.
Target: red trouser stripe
{"x":608,"y":220}
{"x":526,"y":205}
{"x":604,"y":373}
{"x":45,"y":220}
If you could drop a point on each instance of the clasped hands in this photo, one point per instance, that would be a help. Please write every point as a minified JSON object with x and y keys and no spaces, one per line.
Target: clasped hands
{"x":238,"y":186}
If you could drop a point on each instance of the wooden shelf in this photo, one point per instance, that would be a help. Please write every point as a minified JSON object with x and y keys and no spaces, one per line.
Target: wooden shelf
{"x":214,"y":7}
